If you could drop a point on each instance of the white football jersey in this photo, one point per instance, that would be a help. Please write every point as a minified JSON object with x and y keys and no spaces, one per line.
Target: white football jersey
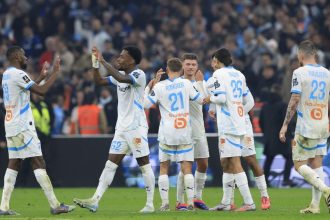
{"x":312,"y":82}
{"x":173,"y":97}
{"x":230,"y":83}
{"x":16,"y":95}
{"x":196,"y":116}
{"x":131,"y":114}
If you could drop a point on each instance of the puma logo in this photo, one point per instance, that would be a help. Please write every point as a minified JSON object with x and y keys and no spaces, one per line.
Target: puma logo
{"x":191,"y":188}
{"x":164,"y":189}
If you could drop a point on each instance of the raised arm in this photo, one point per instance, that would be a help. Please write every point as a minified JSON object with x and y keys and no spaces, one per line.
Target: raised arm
{"x":42,"y":89}
{"x":43,"y":73}
{"x":122,"y":78}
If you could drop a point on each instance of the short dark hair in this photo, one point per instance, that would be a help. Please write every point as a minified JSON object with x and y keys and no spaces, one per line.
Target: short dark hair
{"x":12,"y":50}
{"x":189,"y":56}
{"x":134,"y":52}
{"x":223,"y":56}
{"x":174,"y":64}
{"x":308,"y":48}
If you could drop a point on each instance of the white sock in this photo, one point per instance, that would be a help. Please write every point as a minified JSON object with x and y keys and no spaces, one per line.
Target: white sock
{"x":312,"y":178}
{"x":232,"y":199}
{"x":46,"y":185}
{"x":189,"y":187}
{"x":317,"y":194}
{"x":149,"y":182}
{"x":200,"y":179}
{"x":262,"y":186}
{"x":242,"y":184}
{"x":8,"y":187}
{"x":180,"y":188}
{"x":163,"y":185}
{"x":227,"y":184}
{"x":105,"y":180}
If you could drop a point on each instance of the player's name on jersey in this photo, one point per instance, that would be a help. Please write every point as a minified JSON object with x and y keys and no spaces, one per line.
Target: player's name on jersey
{"x":178,"y":115}
{"x":320,"y":105}
{"x":318,"y":74}
{"x":175,"y":86}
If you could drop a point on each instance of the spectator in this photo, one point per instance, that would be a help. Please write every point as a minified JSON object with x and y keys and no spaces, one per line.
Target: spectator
{"x":89,"y":118}
{"x":109,"y":105}
{"x":271,"y":117}
{"x":59,"y":115}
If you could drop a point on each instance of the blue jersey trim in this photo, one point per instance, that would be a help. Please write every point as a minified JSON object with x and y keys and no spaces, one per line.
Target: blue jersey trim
{"x":152,"y":101}
{"x":234,"y":144}
{"x":20,"y":147}
{"x":29,"y":85}
{"x":138,"y":105}
{"x":295,"y":92}
{"x":175,"y":151}
{"x":311,"y":148}
{"x":300,"y":114}
{"x":24,"y":109}
{"x":225,"y":112}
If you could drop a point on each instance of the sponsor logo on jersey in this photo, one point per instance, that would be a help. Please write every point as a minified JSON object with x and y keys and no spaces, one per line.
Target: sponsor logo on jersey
{"x":124,"y":89}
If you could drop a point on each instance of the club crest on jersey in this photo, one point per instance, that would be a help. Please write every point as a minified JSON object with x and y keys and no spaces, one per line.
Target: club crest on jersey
{"x":26,"y":79}
{"x":136,"y":74}
{"x":137,"y":141}
{"x":294,"y":82}
{"x":216,"y":84}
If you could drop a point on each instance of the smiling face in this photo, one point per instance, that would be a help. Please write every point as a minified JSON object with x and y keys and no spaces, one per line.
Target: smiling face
{"x":124,"y":60}
{"x":190,"y":67}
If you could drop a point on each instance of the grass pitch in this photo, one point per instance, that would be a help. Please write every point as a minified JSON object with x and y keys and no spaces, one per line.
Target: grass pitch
{"x":124,"y":203}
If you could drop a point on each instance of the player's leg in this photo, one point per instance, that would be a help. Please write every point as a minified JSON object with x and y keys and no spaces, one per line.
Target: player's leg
{"x":242,"y":184}
{"x":301,"y":155}
{"x":163,"y":184}
{"x":8,"y":186}
{"x":260,"y":180}
{"x":186,"y":168}
{"x":180,"y":202}
{"x":201,"y":154}
{"x":117,"y":152}
{"x":149,"y":182}
{"x":228,"y":179}
{"x":39,"y":169}
{"x":139,"y":146}
{"x":314,"y":206}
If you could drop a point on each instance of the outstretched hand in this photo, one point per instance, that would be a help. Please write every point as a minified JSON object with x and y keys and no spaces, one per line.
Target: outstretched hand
{"x":44,"y":70}
{"x":97,"y":54}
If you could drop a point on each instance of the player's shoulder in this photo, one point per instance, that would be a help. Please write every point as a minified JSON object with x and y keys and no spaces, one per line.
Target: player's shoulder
{"x":138,"y":72}
{"x":300,"y":70}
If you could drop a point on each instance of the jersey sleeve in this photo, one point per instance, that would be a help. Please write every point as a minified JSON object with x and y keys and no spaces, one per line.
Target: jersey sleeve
{"x":112,"y":80}
{"x":217,"y":91}
{"x":151,"y":98}
{"x":296,"y":83}
{"x":138,"y":79}
{"x":23,"y":80}
{"x":248,"y":102}
{"x":194,"y":95}
{"x":245,"y":89}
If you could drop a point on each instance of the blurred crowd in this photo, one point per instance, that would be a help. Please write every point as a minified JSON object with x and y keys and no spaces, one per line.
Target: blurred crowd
{"x":261,"y":34}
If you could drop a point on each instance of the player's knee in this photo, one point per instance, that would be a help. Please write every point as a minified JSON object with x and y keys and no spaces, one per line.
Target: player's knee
{"x":143,"y":160}
{"x":202,"y":166}
{"x":14,"y":164}
{"x":38,"y":163}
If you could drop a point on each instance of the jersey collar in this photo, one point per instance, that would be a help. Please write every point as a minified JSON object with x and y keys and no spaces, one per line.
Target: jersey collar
{"x":313,"y":65}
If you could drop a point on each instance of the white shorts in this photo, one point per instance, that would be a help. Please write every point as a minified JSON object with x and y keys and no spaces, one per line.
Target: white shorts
{"x":248,"y":142}
{"x":134,"y":141}
{"x":305,"y":148}
{"x":176,"y":153}
{"x":201,"y":148}
{"x":230,"y":145}
{"x":24,"y":145}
